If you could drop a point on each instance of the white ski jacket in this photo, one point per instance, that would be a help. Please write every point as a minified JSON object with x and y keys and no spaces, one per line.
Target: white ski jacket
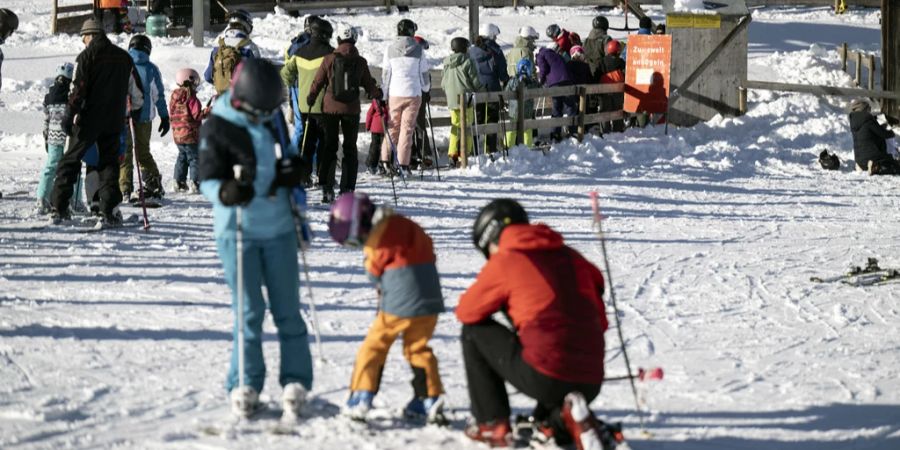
{"x":404,"y":72}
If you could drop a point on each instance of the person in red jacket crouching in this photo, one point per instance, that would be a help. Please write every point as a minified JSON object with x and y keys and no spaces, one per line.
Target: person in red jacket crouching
{"x":553,"y":352}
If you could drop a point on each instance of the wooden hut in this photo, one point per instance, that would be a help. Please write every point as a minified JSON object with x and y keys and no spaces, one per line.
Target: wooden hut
{"x":695,"y":35}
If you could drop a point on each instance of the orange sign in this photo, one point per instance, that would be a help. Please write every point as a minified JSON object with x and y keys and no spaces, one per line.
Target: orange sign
{"x":647,"y":73}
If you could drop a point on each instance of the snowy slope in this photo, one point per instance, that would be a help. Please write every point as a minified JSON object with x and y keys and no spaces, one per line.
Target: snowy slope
{"x":121,"y":339}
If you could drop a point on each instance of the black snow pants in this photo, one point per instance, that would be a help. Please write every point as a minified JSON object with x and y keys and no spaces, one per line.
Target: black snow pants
{"x":335,"y":124}
{"x":493,"y":355}
{"x":69,"y":168}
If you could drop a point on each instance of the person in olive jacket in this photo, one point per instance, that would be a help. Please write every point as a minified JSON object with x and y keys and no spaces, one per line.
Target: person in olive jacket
{"x":869,"y":141}
{"x":459,"y":77}
{"x":341,"y":75}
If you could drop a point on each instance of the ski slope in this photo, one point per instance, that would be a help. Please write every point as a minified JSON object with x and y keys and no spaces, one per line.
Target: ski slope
{"x":121,"y":339}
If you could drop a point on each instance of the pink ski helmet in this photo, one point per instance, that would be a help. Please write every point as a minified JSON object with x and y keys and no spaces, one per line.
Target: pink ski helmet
{"x":351,"y":219}
{"x":576,"y":49}
{"x":187,"y":74}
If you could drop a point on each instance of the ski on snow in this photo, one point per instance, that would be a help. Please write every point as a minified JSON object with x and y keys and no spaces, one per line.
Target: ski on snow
{"x":869,"y":275}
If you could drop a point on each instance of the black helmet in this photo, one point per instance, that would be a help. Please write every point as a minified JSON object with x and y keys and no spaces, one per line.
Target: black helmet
{"x":459,"y":45}
{"x":241,"y":18}
{"x":140,"y":42}
{"x":645,"y":23}
{"x":309,"y":20}
{"x":9,"y":22}
{"x":256,"y":87}
{"x":492,"y":219}
{"x":406,"y":27}
{"x":553,"y":31}
{"x":600,"y":23}
{"x":321,"y":29}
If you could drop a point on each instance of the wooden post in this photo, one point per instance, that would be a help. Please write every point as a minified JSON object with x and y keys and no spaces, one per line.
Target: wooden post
{"x":582,"y":110}
{"x":742,"y":100}
{"x":199,"y":22}
{"x":463,"y":144}
{"x":53,"y":17}
{"x":473,"y":20}
{"x":520,"y":114}
{"x":858,"y":72}
{"x":843,"y":52}
{"x":871,"y":59}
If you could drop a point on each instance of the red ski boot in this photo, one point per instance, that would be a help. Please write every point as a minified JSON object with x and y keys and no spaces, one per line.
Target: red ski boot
{"x":496,"y":433}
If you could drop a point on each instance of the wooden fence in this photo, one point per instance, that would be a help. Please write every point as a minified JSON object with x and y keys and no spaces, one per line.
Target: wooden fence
{"x":68,"y":18}
{"x":861,"y":60}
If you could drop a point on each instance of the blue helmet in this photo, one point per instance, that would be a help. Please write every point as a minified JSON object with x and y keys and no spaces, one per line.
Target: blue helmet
{"x":525,"y":67}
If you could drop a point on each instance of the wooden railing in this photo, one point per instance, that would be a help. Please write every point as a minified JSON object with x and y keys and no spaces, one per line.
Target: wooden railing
{"x":68,"y":18}
{"x":861,"y":60}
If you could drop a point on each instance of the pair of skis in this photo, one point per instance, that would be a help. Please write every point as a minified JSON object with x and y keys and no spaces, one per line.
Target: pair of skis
{"x":869,"y":275}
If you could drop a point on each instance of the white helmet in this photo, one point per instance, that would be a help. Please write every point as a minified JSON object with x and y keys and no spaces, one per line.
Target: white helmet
{"x":528,"y":32}
{"x":489,"y":30}
{"x":347,"y":33}
{"x":65,"y":70}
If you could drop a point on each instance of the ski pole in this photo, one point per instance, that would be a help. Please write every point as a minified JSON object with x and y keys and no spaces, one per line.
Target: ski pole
{"x":437,"y":161}
{"x":137,"y":167}
{"x":502,"y":107}
{"x":595,"y":206}
{"x":240,"y":279}
{"x":387,"y":132}
{"x":312,"y":304}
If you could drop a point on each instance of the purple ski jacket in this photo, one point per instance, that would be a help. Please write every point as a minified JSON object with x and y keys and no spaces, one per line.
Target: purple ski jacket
{"x":552,"y":67}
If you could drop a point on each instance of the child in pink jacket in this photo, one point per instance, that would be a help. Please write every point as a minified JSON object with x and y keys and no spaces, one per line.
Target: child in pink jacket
{"x":186,"y":116}
{"x":375,"y":125}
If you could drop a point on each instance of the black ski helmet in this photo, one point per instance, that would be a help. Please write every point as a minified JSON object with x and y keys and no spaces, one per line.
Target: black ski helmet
{"x":553,"y":31}
{"x":829,"y":161}
{"x":492,"y":219}
{"x":308,"y":21}
{"x":600,"y":23}
{"x":321,"y":29}
{"x":9,"y":23}
{"x":459,"y":45}
{"x":140,"y":42}
{"x":256,"y":87}
{"x":406,"y":27}
{"x":241,"y":18}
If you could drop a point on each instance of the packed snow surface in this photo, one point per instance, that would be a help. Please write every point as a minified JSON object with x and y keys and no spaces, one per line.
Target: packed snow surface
{"x":121,"y":339}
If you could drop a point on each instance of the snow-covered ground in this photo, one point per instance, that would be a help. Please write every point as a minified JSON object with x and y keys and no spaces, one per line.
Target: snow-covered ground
{"x":121,"y":339}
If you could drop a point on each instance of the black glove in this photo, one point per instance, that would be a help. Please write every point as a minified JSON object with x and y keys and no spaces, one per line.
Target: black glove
{"x":163,"y":126}
{"x":426,"y":97}
{"x":235,"y":193}
{"x":290,"y":172}
{"x":311,"y":100}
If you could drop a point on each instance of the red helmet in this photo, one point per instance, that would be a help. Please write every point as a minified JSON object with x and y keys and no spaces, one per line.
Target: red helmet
{"x":613,"y":47}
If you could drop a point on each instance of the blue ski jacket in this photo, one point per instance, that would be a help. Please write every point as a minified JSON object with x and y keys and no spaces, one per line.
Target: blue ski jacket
{"x":226,"y":139}
{"x":154,"y":93}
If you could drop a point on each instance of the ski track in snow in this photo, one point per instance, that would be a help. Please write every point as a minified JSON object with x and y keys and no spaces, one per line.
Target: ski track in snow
{"x":122,"y":338}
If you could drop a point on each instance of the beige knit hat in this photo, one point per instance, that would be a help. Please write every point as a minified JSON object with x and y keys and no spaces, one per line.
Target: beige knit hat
{"x":91,"y":26}
{"x":859,"y":105}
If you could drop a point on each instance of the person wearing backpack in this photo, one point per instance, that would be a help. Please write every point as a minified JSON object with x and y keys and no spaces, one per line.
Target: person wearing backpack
{"x":340,"y":76}
{"x":524,"y":76}
{"x":300,"y":71}
{"x":595,"y":44}
{"x":491,"y":66}
{"x":232,"y":46}
{"x":138,"y":144}
{"x":524,"y":47}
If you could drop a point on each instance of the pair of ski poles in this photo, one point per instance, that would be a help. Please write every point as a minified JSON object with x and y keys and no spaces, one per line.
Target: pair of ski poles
{"x":240,"y":266}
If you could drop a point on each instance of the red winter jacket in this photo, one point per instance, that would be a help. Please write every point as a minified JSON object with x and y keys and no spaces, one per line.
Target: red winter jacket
{"x":374,"y":117}
{"x":555,"y":300}
{"x":185,"y":115}
{"x":566,"y":40}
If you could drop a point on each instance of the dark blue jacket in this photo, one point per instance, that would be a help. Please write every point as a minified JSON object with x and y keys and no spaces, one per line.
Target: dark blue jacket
{"x":490,"y":64}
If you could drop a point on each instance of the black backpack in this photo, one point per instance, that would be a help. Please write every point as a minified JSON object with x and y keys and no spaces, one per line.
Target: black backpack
{"x":829,"y":161}
{"x":346,"y":79}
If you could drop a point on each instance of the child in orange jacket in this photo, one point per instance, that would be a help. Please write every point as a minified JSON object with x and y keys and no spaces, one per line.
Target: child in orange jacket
{"x":400,"y":260}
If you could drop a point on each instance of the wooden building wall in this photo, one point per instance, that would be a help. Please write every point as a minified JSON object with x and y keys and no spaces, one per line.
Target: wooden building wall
{"x":716,"y":90}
